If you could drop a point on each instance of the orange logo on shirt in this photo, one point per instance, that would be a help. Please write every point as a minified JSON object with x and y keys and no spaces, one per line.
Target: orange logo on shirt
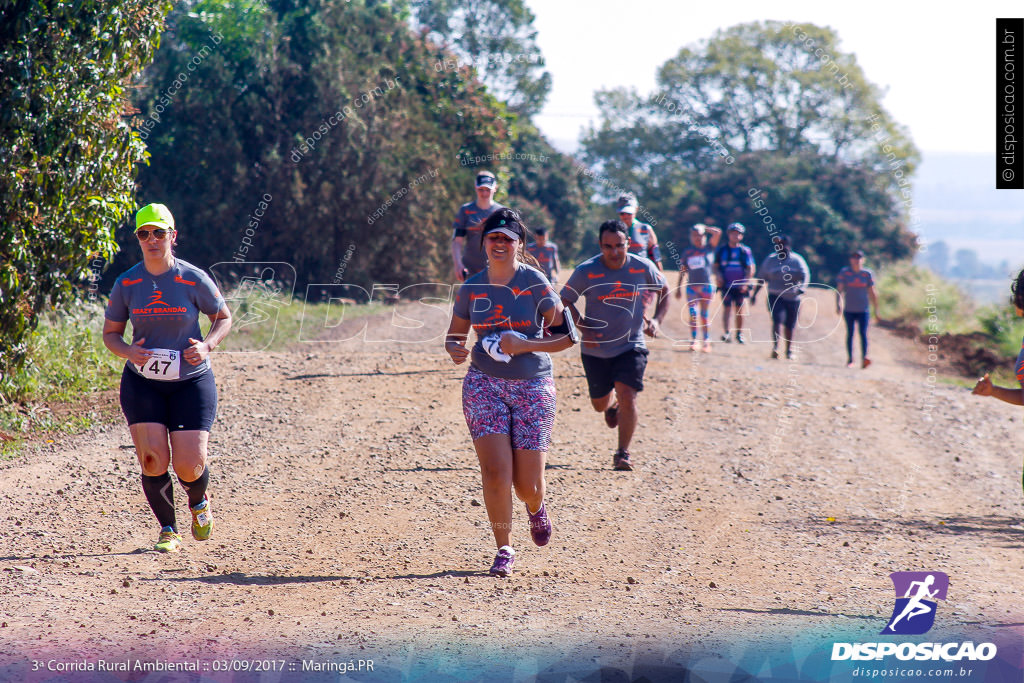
{"x":499,"y":319}
{"x":619,"y":292}
{"x":128,"y":283}
{"x":474,"y":297}
{"x":183,"y":281}
{"x":154,"y":299}
{"x":594,"y":276}
{"x":637,"y":270}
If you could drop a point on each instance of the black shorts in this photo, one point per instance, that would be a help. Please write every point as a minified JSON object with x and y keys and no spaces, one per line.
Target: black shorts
{"x":190,"y":404}
{"x":603,"y":373}
{"x":784,"y":311}
{"x":732,"y":296}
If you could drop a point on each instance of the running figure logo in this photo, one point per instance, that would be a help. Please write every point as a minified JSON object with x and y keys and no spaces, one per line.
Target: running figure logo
{"x":155,"y":298}
{"x":914,"y":612}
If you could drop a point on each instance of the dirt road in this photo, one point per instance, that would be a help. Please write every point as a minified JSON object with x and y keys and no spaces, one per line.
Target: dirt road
{"x":770,"y":502}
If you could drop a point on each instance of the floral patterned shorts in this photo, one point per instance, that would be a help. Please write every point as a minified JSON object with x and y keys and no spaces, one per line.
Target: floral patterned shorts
{"x":522,"y":408}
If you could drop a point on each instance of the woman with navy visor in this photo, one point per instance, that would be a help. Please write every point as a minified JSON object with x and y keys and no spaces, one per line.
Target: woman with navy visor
{"x":168,"y":394}
{"x":508,"y":394}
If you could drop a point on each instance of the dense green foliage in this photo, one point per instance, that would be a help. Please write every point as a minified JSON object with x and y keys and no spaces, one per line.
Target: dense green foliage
{"x":323,"y":135}
{"x":771,"y":107}
{"x":67,"y":157}
{"x":331,"y":115}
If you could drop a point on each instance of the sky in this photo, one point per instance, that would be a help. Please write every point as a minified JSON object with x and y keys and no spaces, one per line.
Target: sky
{"x":938,"y":65}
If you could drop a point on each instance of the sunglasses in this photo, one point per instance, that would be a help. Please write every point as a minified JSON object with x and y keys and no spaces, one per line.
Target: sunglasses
{"x":159,"y":233}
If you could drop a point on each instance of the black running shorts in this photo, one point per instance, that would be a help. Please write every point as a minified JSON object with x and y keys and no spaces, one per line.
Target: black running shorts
{"x":784,"y":312}
{"x":190,"y":404}
{"x":603,"y":373}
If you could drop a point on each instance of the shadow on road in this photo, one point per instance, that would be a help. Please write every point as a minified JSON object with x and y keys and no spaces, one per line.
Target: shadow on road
{"x":1008,"y":532}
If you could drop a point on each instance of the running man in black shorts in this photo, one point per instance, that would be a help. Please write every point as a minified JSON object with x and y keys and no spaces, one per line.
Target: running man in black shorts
{"x":168,"y":394}
{"x":613,"y":350}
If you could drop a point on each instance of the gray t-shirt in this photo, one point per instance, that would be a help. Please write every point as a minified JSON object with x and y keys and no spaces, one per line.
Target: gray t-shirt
{"x":516,"y":306}
{"x":469,"y":223}
{"x":786,"y":277}
{"x":698,"y":261}
{"x":546,"y":256}
{"x":855,"y":289}
{"x":615,"y":311}
{"x":164,"y":309}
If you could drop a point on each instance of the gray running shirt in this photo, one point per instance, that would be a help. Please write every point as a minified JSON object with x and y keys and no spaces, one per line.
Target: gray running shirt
{"x":516,"y":306}
{"x":164,"y":309}
{"x":614,"y":303}
{"x":855,"y":289}
{"x":469,"y":223}
{"x":698,"y":262}
{"x":786,"y":277}
{"x":545,"y":256}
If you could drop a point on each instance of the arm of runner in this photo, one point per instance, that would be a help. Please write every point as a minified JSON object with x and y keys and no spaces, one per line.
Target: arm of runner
{"x":113,"y":339}
{"x":757,"y":288}
{"x":873,"y":297}
{"x":660,"y":311}
{"x":840,"y":287}
{"x":679,"y":283}
{"x":714,"y":235}
{"x":200,"y":349}
{"x":455,"y":340}
{"x":751,"y":267}
{"x":457,"y":266}
{"x":984,"y":387}
{"x":653,"y":251}
{"x":513,"y":345}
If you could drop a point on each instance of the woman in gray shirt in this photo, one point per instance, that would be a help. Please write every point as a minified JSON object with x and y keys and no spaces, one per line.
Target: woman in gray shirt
{"x":508,"y":394}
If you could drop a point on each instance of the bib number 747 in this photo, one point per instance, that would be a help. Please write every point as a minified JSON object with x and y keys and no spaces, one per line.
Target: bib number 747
{"x":164,"y":365}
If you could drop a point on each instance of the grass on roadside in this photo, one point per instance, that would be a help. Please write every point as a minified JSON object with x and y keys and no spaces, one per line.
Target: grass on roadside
{"x":264,"y":320}
{"x":912,"y":294}
{"x":67,"y":361}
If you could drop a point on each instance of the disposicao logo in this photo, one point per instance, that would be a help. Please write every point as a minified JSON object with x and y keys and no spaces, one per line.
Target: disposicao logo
{"x":914,"y":614}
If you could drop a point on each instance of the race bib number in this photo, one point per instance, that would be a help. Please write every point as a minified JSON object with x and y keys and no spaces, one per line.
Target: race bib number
{"x":164,"y":365}
{"x":695,"y":262}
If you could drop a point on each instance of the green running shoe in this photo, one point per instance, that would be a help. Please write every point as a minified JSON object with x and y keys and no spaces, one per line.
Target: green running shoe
{"x":169,"y":541}
{"x":202,"y":521}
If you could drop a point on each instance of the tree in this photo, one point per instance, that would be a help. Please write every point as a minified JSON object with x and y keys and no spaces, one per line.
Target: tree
{"x":770,"y":106}
{"x":937,"y":257}
{"x":335,"y":111}
{"x":497,"y":38}
{"x":67,"y":156}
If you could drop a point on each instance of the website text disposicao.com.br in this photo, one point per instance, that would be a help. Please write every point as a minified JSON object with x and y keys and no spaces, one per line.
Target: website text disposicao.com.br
{"x":901,"y":673}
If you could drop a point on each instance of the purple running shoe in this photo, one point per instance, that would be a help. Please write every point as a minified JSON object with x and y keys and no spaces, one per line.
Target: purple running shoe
{"x":540,"y":525}
{"x":503,"y":561}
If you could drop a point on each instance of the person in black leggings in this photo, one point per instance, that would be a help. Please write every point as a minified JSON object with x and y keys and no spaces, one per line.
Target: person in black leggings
{"x":168,"y":394}
{"x":856,"y":298}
